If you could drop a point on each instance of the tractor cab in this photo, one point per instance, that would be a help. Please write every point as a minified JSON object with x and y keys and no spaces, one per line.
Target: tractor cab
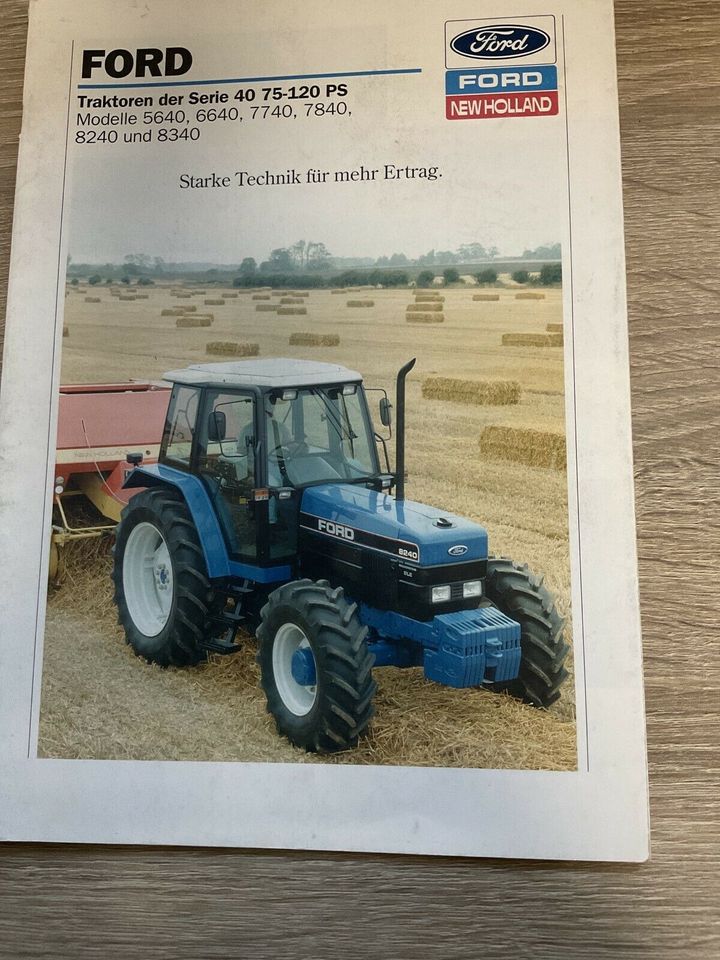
{"x":257,"y":433}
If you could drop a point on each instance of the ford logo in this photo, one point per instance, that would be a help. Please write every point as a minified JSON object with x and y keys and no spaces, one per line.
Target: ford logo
{"x":458,"y":550}
{"x":502,"y":42}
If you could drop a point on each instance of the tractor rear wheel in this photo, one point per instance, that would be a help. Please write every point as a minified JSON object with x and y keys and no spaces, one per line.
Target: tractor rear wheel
{"x":164,"y":598}
{"x":315,"y":666}
{"x":522,"y":596}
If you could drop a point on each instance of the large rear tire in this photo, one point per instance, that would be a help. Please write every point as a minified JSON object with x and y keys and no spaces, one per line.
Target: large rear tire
{"x":312,"y":626}
{"x":165,"y":602}
{"x":521,"y":595}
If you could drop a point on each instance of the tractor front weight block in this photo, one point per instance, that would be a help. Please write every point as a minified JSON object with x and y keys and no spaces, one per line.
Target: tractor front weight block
{"x":462,"y":649}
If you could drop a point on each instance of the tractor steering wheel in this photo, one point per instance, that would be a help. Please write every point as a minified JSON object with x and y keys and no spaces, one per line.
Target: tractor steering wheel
{"x":287,"y":451}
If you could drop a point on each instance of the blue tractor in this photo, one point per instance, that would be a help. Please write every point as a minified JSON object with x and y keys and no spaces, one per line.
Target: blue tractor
{"x":270,"y":511}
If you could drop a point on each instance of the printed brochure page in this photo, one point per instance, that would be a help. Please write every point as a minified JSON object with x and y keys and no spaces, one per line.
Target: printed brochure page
{"x":325,"y":534}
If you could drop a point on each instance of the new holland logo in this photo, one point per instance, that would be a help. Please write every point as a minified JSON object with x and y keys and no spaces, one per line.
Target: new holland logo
{"x":458,"y":550}
{"x":500,"y":42}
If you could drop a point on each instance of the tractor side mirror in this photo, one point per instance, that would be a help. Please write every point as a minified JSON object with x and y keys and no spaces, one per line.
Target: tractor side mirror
{"x":217,"y":425}
{"x":385,"y":412}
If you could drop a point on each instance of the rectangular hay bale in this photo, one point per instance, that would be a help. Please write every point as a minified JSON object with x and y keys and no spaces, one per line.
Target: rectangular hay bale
{"x":92,"y":300}
{"x":486,"y":296}
{"x":429,"y":298}
{"x":190,"y":320}
{"x":288,"y":300}
{"x":491,"y":393}
{"x":126,"y":296}
{"x":214,"y":303}
{"x":227,"y":348}
{"x":267,"y":307}
{"x":261,"y":296}
{"x":535,"y":448}
{"x":361,"y":303}
{"x":554,"y":327}
{"x":532,"y":340}
{"x":425,"y":318}
{"x":314,"y":340}
{"x":424,"y":307}
{"x":529,"y":296}
{"x":292,"y":311}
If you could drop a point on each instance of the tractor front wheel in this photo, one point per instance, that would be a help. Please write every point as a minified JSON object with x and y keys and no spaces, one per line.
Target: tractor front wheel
{"x":315,"y":666}
{"x":522,"y":596}
{"x":164,"y":598}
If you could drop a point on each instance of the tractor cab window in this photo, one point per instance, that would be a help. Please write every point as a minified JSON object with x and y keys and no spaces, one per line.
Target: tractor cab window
{"x":318,"y":434}
{"x":180,"y":425}
{"x":226,"y":463}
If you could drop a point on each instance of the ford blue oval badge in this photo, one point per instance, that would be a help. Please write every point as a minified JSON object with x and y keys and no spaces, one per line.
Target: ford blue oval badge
{"x":458,"y":550}
{"x":501,"y":42}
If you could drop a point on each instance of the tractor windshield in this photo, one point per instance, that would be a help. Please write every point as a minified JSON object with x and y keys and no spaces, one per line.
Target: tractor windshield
{"x":319,"y":434}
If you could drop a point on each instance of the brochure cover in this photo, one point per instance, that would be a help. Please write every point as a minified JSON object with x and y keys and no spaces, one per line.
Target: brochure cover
{"x":317,"y":517}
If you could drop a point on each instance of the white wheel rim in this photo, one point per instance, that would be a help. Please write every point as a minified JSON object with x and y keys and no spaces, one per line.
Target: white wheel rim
{"x":148,"y":579}
{"x":297,"y":698}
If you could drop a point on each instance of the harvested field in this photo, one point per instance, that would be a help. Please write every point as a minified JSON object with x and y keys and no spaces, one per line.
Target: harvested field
{"x":314,"y":340}
{"x":487,"y":297}
{"x":485,"y":392}
{"x":528,"y":295}
{"x":117,"y":706}
{"x":292,"y":311}
{"x":425,"y":318}
{"x":226,"y":348}
{"x":425,"y":307}
{"x":536,"y":448}
{"x":361,"y":303}
{"x":197,"y":320}
{"x":532,"y":340}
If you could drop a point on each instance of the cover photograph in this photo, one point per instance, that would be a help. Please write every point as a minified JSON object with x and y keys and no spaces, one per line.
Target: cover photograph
{"x":325,"y":536}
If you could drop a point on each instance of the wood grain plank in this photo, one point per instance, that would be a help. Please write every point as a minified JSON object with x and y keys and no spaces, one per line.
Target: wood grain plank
{"x":100,"y":902}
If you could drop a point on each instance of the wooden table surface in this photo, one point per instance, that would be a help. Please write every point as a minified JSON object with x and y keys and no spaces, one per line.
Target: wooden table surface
{"x":60,"y":901}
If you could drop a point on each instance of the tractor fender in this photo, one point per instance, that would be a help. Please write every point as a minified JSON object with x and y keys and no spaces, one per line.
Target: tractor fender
{"x":200,"y":506}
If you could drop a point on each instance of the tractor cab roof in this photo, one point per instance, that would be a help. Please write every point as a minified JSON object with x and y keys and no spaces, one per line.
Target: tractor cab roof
{"x":268,"y":373}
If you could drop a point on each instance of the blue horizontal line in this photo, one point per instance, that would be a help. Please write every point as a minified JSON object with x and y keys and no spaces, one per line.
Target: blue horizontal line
{"x":198,"y":83}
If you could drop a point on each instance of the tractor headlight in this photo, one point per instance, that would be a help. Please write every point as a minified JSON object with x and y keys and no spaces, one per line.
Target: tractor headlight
{"x":473,"y":588}
{"x":440,"y":594}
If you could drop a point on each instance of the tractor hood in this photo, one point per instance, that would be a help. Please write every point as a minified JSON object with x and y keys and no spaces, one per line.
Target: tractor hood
{"x":408,"y":530}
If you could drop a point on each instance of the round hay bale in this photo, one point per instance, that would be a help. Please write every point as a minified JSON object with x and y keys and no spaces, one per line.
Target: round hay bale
{"x":227,"y":348}
{"x":291,"y":300}
{"x":535,"y":448}
{"x":425,"y":318}
{"x":554,"y":327}
{"x":190,"y":320}
{"x":490,"y":393}
{"x":314,"y":340}
{"x":292,"y":311}
{"x":261,"y":296}
{"x":66,"y":330}
{"x":361,"y":303}
{"x":267,"y":307}
{"x":92,"y":300}
{"x":532,"y":340}
{"x":126,"y":296}
{"x":214,"y":303}
{"x":426,"y":307}
{"x":529,"y":296}
{"x":486,"y":296}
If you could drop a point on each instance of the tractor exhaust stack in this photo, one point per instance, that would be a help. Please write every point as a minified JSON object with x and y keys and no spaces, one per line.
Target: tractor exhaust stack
{"x":400,"y":430}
